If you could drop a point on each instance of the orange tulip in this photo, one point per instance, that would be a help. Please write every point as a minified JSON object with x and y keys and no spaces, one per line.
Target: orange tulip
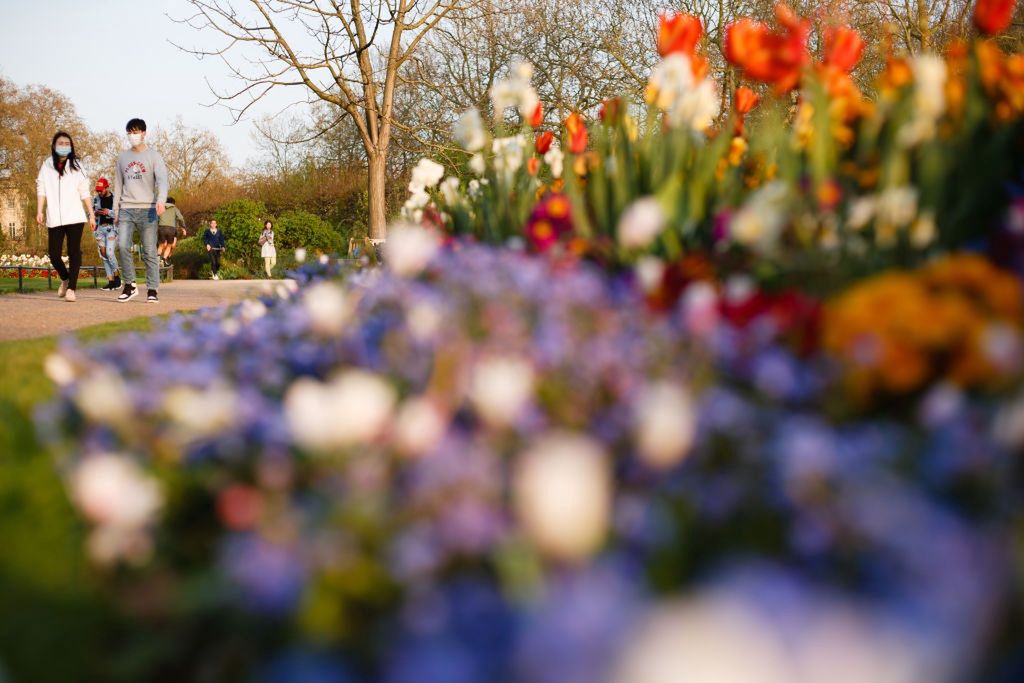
{"x":577,"y":129}
{"x":537,"y":117}
{"x":678,"y":34}
{"x":993,"y":16}
{"x":543,"y":142}
{"x":843,"y":48}
{"x":532,"y":166}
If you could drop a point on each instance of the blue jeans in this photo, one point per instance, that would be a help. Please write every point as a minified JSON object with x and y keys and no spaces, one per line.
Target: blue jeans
{"x":106,"y":238}
{"x":145,"y":221}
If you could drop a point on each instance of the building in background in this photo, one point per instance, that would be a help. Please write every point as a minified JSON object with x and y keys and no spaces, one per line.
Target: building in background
{"x":13,"y":214}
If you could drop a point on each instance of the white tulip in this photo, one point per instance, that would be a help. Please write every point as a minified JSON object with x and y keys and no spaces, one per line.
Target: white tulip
{"x":477,"y":165}
{"x":554,"y":158}
{"x":641,"y":223}
{"x":450,"y":191}
{"x":427,"y":173}
{"x":690,"y":103}
{"x":59,"y":369}
{"x":500,"y":388}
{"x":409,"y":249}
{"x":665,"y":424}
{"x":469,"y":131}
{"x":562,"y":495}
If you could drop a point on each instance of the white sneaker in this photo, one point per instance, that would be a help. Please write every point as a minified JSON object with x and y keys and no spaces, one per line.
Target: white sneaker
{"x":63,"y":289}
{"x":70,"y":296}
{"x":216,"y":277}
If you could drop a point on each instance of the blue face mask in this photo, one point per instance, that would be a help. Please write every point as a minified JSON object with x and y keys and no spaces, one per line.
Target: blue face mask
{"x":62,"y":150}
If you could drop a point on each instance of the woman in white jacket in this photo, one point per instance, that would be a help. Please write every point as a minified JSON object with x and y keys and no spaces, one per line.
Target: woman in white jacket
{"x":62,"y":190}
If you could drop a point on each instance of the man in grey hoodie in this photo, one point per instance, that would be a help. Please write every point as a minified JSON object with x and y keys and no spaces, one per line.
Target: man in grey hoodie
{"x":140,"y":192}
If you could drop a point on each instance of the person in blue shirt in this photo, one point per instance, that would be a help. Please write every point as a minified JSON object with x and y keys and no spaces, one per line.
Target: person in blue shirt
{"x":214,"y":241}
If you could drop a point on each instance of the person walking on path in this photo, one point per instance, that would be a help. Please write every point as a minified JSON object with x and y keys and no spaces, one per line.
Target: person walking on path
{"x":214,"y":241}
{"x":62,"y":192}
{"x":105,"y":233}
{"x":167,"y":230}
{"x":267,"y":249}
{"x":140,"y":192}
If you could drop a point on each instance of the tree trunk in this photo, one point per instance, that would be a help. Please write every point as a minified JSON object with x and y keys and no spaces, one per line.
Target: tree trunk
{"x":377,"y":181}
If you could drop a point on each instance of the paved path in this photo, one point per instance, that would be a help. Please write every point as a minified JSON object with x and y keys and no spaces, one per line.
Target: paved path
{"x":42,"y":314}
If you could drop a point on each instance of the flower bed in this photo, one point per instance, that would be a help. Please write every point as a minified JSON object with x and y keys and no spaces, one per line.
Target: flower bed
{"x":11,"y":261}
{"x":725,"y":406}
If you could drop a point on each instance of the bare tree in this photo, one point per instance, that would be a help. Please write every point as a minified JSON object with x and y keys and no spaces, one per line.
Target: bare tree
{"x":347,"y":54}
{"x":194,"y":156}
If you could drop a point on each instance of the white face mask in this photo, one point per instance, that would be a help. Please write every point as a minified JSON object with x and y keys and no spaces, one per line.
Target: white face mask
{"x":135,"y":139}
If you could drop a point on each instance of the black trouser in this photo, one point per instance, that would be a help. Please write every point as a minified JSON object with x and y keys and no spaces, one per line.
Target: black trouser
{"x":215,"y":260}
{"x":56,"y":243}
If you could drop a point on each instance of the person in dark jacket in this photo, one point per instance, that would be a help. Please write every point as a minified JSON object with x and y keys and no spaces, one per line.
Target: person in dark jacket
{"x":214,"y":241}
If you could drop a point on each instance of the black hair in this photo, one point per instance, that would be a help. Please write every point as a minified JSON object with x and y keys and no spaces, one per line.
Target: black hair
{"x":170,"y":200}
{"x":135,"y":124}
{"x":268,"y":221}
{"x":72,"y":160}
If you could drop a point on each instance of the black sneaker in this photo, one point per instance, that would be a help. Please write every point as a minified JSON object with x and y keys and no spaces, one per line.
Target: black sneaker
{"x":129,"y":292}
{"x":117,"y":282}
{"x":111,"y":286}
{"x":151,"y":297}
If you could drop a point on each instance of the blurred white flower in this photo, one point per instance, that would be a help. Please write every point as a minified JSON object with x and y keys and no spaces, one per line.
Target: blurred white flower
{"x":59,"y":369}
{"x":102,"y":396}
{"x":107,"y":545}
{"x":328,"y":307}
{"x":469,"y":131}
{"x":427,"y":173}
{"x":700,"y":308}
{"x":509,"y":153}
{"x":896,"y":206}
{"x":562,"y":495}
{"x":424,"y":320}
{"x":252,"y":309}
{"x":409,"y":249}
{"x":450,"y":191}
{"x":352,"y":409}
{"x":930,"y":74}
{"x":300,"y":255}
{"x":500,"y":388}
{"x":665,"y":424}
{"x":198,"y":413}
{"x":923,"y":231}
{"x":690,"y":103}
{"x":515,"y":91}
{"x":112,"y":490}
{"x":641,"y":223}
{"x":419,"y":427}
{"x":1002,"y":346}
{"x":706,"y":639}
{"x":759,"y":223}
{"x":477,"y":164}
{"x":649,"y":271}
{"x":1008,"y":427}
{"x":860,"y":212}
{"x":554,"y":158}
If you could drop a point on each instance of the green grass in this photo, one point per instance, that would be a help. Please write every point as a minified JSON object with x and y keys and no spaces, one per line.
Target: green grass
{"x":51,"y":611}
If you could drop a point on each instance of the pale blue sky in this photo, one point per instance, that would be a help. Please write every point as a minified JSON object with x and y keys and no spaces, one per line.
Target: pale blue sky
{"x":121,"y":64}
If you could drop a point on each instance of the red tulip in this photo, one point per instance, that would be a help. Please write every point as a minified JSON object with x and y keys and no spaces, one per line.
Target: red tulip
{"x":993,"y":16}
{"x":745,"y":100}
{"x":532,"y":166}
{"x":843,"y":48}
{"x":610,"y":110}
{"x":678,"y":34}
{"x":543,"y":142}
{"x":577,"y":129}
{"x":537,"y":117}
